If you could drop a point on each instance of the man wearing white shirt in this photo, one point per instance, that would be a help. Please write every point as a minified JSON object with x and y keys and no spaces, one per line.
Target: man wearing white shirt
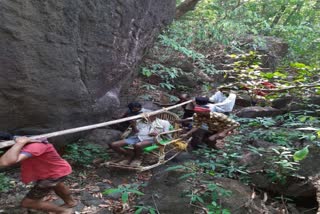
{"x":145,"y":131}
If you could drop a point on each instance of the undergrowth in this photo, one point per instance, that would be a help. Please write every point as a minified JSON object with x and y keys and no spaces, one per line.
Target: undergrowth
{"x":83,"y":153}
{"x":4,"y":182}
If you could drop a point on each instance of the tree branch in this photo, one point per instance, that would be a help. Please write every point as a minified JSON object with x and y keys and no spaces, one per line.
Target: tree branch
{"x":278,"y":16}
{"x":185,"y":7}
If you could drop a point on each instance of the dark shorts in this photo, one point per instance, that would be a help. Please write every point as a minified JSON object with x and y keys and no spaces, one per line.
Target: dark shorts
{"x":43,"y":187}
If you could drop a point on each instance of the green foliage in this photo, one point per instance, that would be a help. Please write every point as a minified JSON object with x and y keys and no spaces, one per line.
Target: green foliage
{"x":142,"y":209}
{"x":298,"y":120}
{"x":200,"y":61}
{"x":212,"y":192}
{"x":125,"y":190}
{"x":190,"y":168}
{"x":216,"y":163}
{"x":265,"y":122}
{"x":281,"y":164}
{"x":279,"y":129}
{"x":226,"y":22}
{"x":222,"y":163}
{"x":84,"y":154}
{"x":4,"y":182}
{"x":266,"y":85}
{"x":281,"y":137}
{"x":172,"y":43}
{"x":281,"y":161}
{"x":167,"y":75}
{"x":149,"y":87}
{"x":239,"y":26}
{"x":301,"y":154}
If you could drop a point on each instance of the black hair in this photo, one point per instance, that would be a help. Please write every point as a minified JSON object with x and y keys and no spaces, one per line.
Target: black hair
{"x":133,"y":105}
{"x":202,"y":100}
{"x":5,"y":136}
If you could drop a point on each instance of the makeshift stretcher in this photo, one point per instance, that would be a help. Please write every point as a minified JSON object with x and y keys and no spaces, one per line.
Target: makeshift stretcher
{"x":9,"y":143}
{"x":167,"y":146}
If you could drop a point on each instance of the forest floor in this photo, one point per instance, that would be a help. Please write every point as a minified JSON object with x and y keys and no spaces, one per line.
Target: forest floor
{"x":87,"y":186}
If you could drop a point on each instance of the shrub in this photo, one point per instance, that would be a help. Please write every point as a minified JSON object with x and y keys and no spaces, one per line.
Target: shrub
{"x":84,"y":153}
{"x":4,"y":183}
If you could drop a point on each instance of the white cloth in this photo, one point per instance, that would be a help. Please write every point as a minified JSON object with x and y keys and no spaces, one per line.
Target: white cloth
{"x":225,"y":106}
{"x":218,"y":97}
{"x":145,"y":110}
{"x":157,"y":126}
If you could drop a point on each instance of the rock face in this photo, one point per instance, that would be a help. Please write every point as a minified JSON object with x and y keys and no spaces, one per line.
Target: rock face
{"x":65,"y":63}
{"x":103,"y":137}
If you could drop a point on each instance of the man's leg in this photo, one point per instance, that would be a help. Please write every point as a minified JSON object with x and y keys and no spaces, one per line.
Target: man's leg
{"x":64,"y":193}
{"x":138,"y":147}
{"x":221,"y":134}
{"x":210,"y":139}
{"x":33,"y":201}
{"x":118,"y":147}
{"x":197,"y":138}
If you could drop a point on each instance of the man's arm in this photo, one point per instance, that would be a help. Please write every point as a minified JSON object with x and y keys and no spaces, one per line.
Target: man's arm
{"x":189,"y":133}
{"x":189,"y":119}
{"x":13,"y":155}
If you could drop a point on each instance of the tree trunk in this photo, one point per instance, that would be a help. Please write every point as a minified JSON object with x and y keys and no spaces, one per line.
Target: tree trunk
{"x":185,"y":7}
{"x":278,"y":16}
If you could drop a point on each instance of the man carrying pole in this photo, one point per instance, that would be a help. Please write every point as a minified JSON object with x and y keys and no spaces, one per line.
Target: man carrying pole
{"x":40,"y":163}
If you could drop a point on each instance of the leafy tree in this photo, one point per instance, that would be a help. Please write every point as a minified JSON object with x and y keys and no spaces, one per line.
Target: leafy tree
{"x":225,"y":21}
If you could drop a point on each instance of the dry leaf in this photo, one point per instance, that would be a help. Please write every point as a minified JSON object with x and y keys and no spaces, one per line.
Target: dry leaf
{"x":104,"y":205}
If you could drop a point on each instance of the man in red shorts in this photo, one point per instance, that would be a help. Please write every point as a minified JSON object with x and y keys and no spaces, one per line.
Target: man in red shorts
{"x":40,"y":163}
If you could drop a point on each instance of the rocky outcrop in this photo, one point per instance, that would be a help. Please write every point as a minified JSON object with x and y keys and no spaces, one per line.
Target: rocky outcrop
{"x":258,"y":111}
{"x":65,"y":63}
{"x":171,"y":195}
{"x":273,"y":49}
{"x":290,"y":103}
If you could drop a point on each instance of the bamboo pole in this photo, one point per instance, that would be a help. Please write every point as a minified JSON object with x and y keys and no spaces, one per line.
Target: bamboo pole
{"x":94,"y":126}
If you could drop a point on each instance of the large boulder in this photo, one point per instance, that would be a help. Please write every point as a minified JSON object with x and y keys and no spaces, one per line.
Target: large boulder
{"x":103,"y":137}
{"x":170,"y":192}
{"x":273,"y":49}
{"x":258,"y":111}
{"x":65,"y":63}
{"x":290,"y":103}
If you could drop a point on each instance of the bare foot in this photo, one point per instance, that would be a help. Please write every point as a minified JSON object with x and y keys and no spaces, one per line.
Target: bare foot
{"x":135,"y":162}
{"x":125,"y":162}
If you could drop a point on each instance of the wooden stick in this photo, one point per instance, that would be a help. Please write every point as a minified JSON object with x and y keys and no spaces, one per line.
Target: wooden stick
{"x":94,"y":126}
